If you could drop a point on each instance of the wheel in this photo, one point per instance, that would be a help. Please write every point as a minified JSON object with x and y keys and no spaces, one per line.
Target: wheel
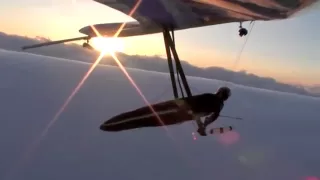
{"x":87,"y":45}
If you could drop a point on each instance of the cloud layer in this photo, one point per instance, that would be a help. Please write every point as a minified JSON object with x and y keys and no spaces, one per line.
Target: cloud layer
{"x":278,"y":138}
{"x":152,"y":63}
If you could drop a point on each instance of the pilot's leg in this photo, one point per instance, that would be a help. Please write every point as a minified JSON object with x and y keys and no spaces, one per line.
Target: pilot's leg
{"x":201,"y":129}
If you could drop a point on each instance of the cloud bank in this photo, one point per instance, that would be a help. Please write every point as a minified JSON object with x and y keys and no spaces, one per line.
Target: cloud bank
{"x":151,"y":63}
{"x":278,"y":139}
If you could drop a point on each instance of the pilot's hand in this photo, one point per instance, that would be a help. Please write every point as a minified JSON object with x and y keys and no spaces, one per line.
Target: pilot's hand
{"x":202,"y":131}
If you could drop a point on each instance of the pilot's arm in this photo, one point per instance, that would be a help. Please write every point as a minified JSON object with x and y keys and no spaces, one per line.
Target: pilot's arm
{"x":210,"y":119}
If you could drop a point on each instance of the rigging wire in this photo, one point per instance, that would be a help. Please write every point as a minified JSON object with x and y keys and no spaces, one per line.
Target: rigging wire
{"x":179,"y":82}
{"x":177,"y":72}
{"x":238,"y":57}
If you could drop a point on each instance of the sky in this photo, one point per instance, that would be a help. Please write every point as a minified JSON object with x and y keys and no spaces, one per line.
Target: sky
{"x":286,"y":50}
{"x":35,"y":145}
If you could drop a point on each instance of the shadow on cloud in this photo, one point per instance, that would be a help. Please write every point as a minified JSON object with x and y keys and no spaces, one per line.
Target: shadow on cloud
{"x":151,"y":63}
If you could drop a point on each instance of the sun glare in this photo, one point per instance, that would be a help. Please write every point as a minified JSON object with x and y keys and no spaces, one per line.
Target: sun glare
{"x":110,"y":45}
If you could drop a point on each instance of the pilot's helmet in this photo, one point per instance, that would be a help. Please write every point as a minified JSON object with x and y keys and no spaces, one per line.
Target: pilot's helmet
{"x":224,"y":92}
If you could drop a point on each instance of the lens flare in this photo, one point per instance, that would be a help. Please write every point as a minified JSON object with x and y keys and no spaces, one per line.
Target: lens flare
{"x":229,"y":138}
{"x":105,"y":44}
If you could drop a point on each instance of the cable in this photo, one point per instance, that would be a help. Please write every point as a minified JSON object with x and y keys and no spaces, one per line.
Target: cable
{"x":179,"y":82}
{"x":244,"y":44}
{"x":238,"y":57}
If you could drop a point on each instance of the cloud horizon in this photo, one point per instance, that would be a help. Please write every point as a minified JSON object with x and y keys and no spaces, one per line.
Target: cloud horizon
{"x":153,"y":63}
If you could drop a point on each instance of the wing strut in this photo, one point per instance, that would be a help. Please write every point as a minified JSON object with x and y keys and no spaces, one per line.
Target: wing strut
{"x":170,"y":48}
{"x":58,"y":42}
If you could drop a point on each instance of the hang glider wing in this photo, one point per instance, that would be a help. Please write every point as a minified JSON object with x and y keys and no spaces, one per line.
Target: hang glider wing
{"x":184,"y":14}
{"x":153,"y":15}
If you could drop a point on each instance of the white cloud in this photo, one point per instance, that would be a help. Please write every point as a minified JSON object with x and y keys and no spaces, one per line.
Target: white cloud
{"x":277,"y":140}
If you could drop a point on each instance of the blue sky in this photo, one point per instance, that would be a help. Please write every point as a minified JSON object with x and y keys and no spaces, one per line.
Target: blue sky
{"x":286,"y":50}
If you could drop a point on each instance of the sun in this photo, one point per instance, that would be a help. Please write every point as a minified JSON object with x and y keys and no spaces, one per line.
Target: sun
{"x":108,"y":44}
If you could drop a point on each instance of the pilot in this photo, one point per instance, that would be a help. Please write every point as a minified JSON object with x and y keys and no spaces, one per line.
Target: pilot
{"x":209,"y":105}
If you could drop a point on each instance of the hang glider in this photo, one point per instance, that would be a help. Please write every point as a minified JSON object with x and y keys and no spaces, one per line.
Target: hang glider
{"x":167,"y":16}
